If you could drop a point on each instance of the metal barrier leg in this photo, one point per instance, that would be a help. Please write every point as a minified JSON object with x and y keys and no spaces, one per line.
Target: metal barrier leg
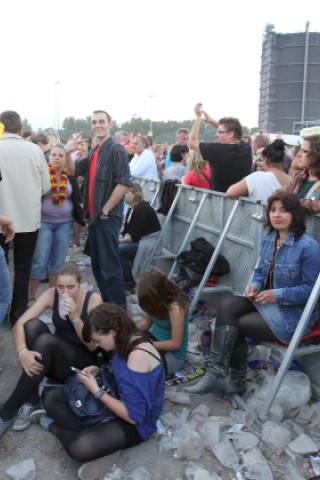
{"x":291,"y":349}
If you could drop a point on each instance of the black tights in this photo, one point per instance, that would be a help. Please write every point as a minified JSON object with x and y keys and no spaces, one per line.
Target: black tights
{"x":86,"y":444}
{"x":240,"y":312}
{"x":57,"y":358}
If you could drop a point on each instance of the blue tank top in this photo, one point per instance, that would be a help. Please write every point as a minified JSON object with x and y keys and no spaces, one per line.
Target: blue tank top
{"x":161,"y":329}
{"x":142,"y":393}
{"x":64,"y":328}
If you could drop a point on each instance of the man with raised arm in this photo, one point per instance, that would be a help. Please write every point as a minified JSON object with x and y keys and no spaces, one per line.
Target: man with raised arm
{"x":230,"y":158}
{"x":107,"y":178}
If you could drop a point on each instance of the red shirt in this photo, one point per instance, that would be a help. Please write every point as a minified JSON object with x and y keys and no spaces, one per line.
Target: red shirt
{"x":192,"y":178}
{"x":92,"y":174}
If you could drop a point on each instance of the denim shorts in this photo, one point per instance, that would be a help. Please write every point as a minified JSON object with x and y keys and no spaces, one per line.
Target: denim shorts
{"x":51,"y":249}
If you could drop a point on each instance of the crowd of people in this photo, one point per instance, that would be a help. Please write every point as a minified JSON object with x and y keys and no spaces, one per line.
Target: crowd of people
{"x":50,"y":189}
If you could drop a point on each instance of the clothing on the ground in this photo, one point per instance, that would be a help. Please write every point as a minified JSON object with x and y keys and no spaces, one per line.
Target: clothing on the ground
{"x":261,"y":185}
{"x":229,"y":163}
{"x":192,"y":179}
{"x":144,"y":165}
{"x":296,"y":268}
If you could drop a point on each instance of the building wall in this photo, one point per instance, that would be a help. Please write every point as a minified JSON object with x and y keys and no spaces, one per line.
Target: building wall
{"x":281,"y":80}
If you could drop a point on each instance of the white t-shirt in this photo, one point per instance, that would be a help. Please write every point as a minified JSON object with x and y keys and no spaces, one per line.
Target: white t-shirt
{"x":261,"y":185}
{"x":144,"y":165}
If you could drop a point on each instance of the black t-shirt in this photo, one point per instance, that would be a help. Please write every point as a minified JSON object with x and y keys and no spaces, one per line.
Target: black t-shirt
{"x":229,"y":163}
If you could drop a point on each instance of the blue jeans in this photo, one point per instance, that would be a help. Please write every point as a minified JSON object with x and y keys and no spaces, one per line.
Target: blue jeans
{"x":5,"y":289}
{"x":51,"y":249}
{"x":105,"y":260}
{"x":127,"y":253}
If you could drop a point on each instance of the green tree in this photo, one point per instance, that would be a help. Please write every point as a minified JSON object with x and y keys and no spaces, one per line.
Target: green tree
{"x":26,"y":125}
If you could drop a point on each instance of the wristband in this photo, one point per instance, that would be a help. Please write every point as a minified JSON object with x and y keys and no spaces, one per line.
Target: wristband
{"x":20,"y":349}
{"x":99,"y":393}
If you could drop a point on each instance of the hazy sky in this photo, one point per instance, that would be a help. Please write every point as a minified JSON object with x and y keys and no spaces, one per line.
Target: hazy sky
{"x":116,"y":54}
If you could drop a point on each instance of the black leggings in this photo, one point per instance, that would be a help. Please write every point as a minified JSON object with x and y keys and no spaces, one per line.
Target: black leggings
{"x":57,"y":358}
{"x":240,"y":312}
{"x":86,"y":444}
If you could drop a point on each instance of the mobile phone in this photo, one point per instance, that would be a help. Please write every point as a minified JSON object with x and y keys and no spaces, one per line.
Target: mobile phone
{"x":79,"y":372}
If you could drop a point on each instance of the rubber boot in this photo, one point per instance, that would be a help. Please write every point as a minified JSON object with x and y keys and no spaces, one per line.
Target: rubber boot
{"x":238,"y":368}
{"x":216,"y":377}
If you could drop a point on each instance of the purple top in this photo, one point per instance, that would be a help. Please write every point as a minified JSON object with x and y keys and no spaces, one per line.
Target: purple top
{"x":51,"y":213}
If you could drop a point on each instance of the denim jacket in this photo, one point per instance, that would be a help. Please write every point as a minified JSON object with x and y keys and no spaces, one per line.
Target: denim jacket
{"x":296,"y":268}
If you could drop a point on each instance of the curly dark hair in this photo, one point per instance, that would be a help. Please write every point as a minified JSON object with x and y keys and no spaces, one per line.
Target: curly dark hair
{"x":106,"y":317}
{"x":156,"y":293}
{"x":291,"y":203}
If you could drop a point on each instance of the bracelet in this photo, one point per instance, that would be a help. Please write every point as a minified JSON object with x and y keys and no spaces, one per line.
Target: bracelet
{"x":20,"y":349}
{"x":99,"y":393}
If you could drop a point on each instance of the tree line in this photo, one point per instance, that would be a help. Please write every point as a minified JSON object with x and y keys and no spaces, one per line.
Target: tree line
{"x":161,"y":131}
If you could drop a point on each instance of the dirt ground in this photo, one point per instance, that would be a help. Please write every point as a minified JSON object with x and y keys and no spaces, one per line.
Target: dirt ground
{"x":53,"y":463}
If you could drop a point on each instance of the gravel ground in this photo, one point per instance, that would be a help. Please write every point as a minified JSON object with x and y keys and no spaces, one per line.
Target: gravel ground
{"x":52,"y":462}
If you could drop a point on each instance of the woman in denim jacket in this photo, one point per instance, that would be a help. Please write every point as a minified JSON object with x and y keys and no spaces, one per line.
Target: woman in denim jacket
{"x":274,"y":300}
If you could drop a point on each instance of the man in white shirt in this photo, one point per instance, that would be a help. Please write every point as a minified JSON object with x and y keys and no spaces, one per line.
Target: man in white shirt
{"x":25,"y":178}
{"x":143,"y":163}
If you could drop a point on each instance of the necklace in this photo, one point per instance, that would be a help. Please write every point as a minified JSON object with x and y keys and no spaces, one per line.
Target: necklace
{"x":58,"y":192}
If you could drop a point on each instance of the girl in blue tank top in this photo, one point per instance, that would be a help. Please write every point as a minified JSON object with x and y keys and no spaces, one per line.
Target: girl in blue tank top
{"x":166,"y":317}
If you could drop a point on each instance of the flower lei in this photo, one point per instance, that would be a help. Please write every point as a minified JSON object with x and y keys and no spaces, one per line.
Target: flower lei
{"x":58,"y":192}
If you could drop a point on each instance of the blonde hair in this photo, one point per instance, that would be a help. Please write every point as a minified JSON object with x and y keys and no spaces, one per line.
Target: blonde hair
{"x":196,"y":162}
{"x":138,"y":196}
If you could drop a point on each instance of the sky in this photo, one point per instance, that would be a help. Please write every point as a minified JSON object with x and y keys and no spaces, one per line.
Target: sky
{"x":146,"y":58}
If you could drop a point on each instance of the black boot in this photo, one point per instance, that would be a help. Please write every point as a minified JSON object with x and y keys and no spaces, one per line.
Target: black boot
{"x":238,"y":368}
{"x":216,"y":377}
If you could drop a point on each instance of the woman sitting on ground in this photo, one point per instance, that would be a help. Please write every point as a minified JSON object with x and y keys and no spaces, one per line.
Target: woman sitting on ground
{"x":139,"y":375}
{"x":42,"y":353}
{"x":166,"y":309}
{"x":141,"y":221}
{"x":274,"y":299}
{"x":178,"y":157}
{"x":306,"y":184}
{"x":59,"y":208}
{"x":199,"y":173}
{"x":261,"y":184}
